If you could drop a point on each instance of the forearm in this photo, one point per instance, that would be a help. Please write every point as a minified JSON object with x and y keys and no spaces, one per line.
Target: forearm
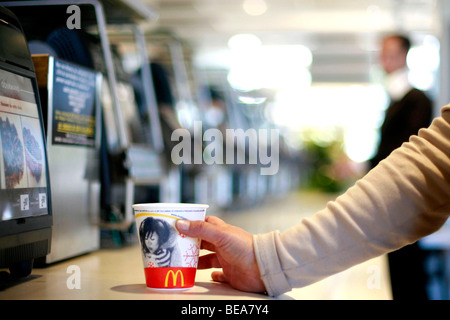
{"x":401,"y":200}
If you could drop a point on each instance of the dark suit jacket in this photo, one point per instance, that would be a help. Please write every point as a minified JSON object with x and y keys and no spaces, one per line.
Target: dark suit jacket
{"x":403,"y":118}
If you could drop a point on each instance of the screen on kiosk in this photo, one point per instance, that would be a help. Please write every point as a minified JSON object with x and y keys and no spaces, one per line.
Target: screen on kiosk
{"x":23,"y":176}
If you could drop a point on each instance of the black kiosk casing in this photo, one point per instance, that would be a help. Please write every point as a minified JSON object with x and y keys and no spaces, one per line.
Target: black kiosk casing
{"x":25,"y":204}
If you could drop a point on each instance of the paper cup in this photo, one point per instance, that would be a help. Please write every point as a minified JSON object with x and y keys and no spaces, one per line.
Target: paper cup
{"x":170,"y":258}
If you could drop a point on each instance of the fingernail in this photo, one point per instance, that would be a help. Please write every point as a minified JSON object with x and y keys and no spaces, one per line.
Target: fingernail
{"x":183,"y":225}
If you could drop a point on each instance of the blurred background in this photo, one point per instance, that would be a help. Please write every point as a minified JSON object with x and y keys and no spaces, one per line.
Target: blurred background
{"x":311,"y":67}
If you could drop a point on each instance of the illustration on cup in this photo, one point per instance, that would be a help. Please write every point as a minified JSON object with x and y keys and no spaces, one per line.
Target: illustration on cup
{"x":159,"y":243}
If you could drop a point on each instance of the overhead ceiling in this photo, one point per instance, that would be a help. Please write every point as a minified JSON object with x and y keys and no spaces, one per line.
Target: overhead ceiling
{"x":211,"y":22}
{"x":343,"y":35}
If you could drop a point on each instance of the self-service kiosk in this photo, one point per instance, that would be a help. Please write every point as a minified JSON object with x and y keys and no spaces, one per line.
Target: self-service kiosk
{"x":125,"y":160}
{"x":70,"y":98}
{"x":25,"y":197}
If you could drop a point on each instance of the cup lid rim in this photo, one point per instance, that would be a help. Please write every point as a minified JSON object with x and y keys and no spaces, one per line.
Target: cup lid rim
{"x":169,"y":205}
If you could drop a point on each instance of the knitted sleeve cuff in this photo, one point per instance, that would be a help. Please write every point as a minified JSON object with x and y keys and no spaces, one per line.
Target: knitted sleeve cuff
{"x":272,"y":275}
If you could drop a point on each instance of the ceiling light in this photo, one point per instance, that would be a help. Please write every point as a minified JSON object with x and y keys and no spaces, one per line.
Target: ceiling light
{"x":254,"y":7}
{"x":244,"y":41}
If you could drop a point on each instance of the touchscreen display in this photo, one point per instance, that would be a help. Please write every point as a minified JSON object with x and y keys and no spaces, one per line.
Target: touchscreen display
{"x":23,"y":176}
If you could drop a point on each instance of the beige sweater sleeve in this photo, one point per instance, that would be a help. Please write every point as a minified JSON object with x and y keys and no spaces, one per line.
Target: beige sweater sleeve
{"x":406,"y":197}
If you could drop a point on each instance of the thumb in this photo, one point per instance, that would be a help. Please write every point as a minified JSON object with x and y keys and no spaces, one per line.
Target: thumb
{"x":200,"y":229}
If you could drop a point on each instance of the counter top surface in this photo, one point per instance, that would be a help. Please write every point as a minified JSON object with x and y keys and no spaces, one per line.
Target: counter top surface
{"x":117,"y":274}
{"x":111,"y":274}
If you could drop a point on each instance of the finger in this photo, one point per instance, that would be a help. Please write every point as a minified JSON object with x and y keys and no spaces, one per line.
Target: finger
{"x":208,"y":261}
{"x":214,"y":220}
{"x":209,"y":230}
{"x":219,"y":276}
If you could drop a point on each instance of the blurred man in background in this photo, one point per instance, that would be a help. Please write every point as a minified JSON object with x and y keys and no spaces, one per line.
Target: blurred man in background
{"x":409,"y":110}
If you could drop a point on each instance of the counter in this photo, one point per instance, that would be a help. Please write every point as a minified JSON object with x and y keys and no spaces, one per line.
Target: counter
{"x":117,"y":274}
{"x":113,"y":274}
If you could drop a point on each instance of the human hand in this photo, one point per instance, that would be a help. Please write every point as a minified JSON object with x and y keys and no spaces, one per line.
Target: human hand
{"x":232,"y":250}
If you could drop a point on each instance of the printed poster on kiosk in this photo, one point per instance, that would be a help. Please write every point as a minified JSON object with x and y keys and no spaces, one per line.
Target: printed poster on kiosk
{"x":73,"y":97}
{"x":23,"y":177}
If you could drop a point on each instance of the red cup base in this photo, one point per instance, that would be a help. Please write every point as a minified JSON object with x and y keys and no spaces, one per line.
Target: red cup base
{"x":170,"y":278}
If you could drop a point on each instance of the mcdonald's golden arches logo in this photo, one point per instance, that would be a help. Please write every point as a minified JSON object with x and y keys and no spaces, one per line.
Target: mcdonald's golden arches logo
{"x":174,"y":278}
{"x":170,"y":277}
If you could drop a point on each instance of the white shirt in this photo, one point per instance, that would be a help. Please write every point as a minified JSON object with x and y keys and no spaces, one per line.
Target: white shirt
{"x":397,"y":84}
